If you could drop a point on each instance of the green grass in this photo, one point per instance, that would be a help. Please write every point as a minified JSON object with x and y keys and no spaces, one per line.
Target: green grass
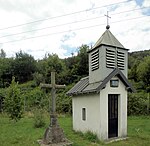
{"x":23,"y":132}
{"x":76,"y":137}
{"x":138,"y":132}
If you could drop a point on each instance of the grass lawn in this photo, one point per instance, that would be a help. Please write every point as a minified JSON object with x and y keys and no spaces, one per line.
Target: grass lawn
{"x":23,"y":133}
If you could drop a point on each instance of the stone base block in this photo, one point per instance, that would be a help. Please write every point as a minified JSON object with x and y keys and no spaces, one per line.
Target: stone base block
{"x":65,"y":143}
{"x":53,"y":134}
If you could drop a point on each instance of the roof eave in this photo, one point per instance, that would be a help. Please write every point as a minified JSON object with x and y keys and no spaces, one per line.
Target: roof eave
{"x":115,"y":72}
{"x":106,"y":46}
{"x":83,"y":92}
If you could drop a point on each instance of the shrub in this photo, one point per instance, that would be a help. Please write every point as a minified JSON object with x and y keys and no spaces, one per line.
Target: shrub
{"x":39,"y":118}
{"x":91,"y":136}
{"x":64,"y":102}
{"x":34,"y":97}
{"x":137,"y":104}
{"x":13,"y":101}
{"x":88,"y":135}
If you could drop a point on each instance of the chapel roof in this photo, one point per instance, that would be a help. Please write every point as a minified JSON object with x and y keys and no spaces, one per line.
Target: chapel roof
{"x":108,"y":39}
{"x":84,"y":87}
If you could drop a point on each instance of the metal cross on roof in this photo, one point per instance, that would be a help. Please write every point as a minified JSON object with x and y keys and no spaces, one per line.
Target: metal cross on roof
{"x":107,"y":27}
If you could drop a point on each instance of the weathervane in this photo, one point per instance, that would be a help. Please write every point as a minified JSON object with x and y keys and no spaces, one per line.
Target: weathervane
{"x":108,"y":26}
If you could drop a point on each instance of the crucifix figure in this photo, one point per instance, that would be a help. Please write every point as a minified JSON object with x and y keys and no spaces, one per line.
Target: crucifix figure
{"x":53,"y":134}
{"x":107,"y":27}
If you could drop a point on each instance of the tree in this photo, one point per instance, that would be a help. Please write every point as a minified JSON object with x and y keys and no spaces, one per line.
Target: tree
{"x":53,"y":63}
{"x":5,"y":71}
{"x":143,"y":71}
{"x":82,"y":66}
{"x":13,"y":101}
{"x":70,"y":73}
{"x":24,"y":66}
{"x":76,"y":67}
{"x":38,"y":78}
{"x":133,"y":71}
{"x":2,"y":54}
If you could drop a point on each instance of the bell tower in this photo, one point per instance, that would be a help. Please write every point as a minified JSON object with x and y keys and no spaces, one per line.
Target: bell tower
{"x":106,"y":55}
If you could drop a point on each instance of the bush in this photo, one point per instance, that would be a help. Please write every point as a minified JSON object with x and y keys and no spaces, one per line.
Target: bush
{"x":13,"y":102}
{"x":64,"y":102}
{"x":137,"y":104}
{"x":39,"y":118}
{"x":88,"y":135}
{"x":34,"y":97}
{"x":91,"y":136}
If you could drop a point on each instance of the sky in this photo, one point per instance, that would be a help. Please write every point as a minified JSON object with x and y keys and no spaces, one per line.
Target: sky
{"x":41,"y":27}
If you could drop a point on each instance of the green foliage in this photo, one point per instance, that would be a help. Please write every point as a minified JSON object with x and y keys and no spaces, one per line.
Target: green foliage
{"x":139,"y":75}
{"x":139,"y":72}
{"x":143,"y":71}
{"x":137,"y":104}
{"x":5,"y":71}
{"x":31,"y":96}
{"x":91,"y":136}
{"x":2,"y":96}
{"x":50,"y":63}
{"x":82,"y":64}
{"x":24,"y":66}
{"x":68,"y":71}
{"x":38,"y":78}
{"x":2,"y":92}
{"x":39,"y":118}
{"x":2,"y":53}
{"x":133,"y":72}
{"x":23,"y":133}
{"x":54,"y":63}
{"x":34,"y":97}
{"x":76,"y":67}
{"x":37,"y":97}
{"x":13,"y":101}
{"x":64,"y":102}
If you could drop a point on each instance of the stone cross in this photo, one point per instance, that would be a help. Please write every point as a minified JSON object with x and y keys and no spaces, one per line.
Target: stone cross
{"x":107,"y":27}
{"x":53,"y":134}
{"x":53,"y":88}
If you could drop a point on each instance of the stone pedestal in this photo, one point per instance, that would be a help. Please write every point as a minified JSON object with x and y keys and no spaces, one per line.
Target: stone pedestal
{"x":54,"y":135}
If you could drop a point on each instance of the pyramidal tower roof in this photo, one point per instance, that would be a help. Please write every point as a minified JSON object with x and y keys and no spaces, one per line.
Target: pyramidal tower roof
{"x":107,"y":39}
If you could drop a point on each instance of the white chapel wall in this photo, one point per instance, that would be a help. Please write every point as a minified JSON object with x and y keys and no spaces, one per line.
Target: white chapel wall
{"x":91,"y":103}
{"x":97,"y":111}
{"x":122,"y":110}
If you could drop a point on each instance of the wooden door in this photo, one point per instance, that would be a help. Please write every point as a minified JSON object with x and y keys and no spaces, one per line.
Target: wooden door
{"x":112,"y":115}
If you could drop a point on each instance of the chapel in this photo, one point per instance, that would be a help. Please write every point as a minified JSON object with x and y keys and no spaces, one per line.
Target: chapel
{"x":99,"y":101}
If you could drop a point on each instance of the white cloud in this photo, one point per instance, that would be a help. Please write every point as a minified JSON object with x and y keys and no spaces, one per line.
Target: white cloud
{"x":133,"y":34}
{"x":146,"y":3}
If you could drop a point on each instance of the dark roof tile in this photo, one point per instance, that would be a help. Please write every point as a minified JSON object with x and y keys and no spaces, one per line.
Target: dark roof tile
{"x":107,"y":39}
{"x":83,"y":86}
